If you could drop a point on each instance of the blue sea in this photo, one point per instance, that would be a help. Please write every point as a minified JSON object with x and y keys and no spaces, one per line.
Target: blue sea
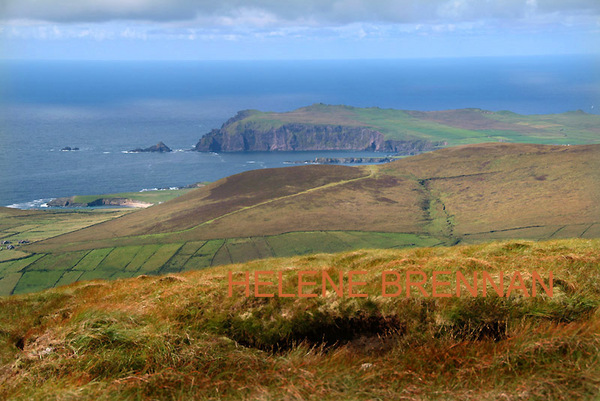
{"x":106,"y":108}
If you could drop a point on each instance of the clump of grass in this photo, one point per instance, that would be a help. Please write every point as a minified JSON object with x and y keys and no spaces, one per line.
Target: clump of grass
{"x":314,"y":328}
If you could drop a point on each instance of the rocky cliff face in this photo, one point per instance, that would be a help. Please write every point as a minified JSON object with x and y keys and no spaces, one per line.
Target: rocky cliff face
{"x":251,"y":136}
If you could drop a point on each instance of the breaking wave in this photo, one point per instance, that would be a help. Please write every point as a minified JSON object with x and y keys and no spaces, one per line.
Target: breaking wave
{"x":34,"y":204}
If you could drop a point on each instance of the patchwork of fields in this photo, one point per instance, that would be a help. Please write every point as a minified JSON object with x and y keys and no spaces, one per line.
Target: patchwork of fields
{"x":41,"y":271}
{"x":36,"y":225}
{"x":21,"y":272}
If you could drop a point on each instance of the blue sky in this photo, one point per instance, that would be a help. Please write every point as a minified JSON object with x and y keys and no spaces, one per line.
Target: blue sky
{"x":295,"y":29}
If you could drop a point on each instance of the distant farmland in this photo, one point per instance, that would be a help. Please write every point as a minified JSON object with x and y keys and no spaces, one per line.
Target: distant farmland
{"x":41,"y":271}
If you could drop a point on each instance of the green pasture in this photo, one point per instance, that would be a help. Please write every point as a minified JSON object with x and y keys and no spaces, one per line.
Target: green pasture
{"x":35,"y":225}
{"x":40,"y":271}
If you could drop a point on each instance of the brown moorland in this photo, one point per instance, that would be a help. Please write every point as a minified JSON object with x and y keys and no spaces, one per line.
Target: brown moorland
{"x":466,"y":193}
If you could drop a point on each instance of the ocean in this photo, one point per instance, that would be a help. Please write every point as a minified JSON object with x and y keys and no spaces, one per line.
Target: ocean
{"x":107,"y":108}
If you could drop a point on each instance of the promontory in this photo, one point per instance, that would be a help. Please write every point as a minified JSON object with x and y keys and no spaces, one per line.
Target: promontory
{"x":329,"y":127}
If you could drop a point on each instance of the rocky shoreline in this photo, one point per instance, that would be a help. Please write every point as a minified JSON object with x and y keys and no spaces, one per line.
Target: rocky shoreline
{"x":113,"y":201}
{"x":122,"y":202}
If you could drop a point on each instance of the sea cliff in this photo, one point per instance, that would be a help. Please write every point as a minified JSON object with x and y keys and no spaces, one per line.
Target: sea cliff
{"x":246,"y":133}
{"x":328,"y":127}
{"x":299,"y":136}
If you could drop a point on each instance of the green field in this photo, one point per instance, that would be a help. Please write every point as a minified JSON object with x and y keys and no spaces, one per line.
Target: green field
{"x":153,"y":197}
{"x":36,"y":225}
{"x":47,"y":270}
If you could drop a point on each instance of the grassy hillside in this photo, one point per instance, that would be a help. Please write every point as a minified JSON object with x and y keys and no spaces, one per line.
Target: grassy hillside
{"x":459,"y":195}
{"x":466,"y":193}
{"x":456,"y":127}
{"x":180,"y":337}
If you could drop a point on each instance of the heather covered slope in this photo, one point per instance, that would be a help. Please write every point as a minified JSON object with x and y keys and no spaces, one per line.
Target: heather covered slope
{"x":180,"y":337}
{"x":465,"y":193}
{"x":227,"y":197}
{"x":326,"y":127}
{"x":511,"y":190}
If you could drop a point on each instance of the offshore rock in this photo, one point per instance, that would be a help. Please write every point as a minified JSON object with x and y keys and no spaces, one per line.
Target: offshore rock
{"x":159,"y":147}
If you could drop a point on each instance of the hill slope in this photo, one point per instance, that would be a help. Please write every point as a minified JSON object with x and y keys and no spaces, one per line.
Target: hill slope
{"x":456,"y":194}
{"x":325,"y":127}
{"x":180,"y":337}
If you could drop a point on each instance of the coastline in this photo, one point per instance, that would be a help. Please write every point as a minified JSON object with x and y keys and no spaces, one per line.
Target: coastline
{"x":71,"y":202}
{"x":141,"y":199}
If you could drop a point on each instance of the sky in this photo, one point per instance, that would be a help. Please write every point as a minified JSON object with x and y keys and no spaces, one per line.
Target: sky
{"x":295,"y":29}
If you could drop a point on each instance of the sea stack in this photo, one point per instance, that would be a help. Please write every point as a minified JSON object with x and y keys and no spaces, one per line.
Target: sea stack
{"x":159,"y":147}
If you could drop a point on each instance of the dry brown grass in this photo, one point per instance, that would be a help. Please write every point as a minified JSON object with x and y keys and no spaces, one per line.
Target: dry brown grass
{"x":180,"y":337}
{"x":472,"y":119}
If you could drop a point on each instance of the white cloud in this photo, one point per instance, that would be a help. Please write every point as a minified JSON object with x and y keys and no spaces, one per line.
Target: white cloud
{"x":24,"y":29}
{"x":245,"y":17}
{"x":132,"y":33}
{"x":242,"y":21}
{"x":260,"y":12}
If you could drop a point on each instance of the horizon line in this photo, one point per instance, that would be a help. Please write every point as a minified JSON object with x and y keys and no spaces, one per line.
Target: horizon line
{"x":566,"y":55}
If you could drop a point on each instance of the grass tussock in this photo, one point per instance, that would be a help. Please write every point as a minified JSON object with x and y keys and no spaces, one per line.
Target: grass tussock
{"x":181,"y":337}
